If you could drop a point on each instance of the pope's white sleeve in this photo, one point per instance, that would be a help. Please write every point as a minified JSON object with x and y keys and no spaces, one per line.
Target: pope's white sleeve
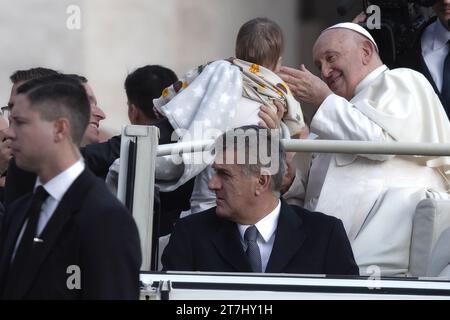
{"x":338,"y":119}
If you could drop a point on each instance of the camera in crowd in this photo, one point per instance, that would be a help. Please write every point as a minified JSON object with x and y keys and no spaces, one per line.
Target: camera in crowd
{"x":399,"y":27}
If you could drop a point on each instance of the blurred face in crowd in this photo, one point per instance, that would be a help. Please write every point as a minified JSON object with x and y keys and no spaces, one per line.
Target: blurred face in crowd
{"x":442,"y":9}
{"x":13,"y":95}
{"x":12,"y":99}
{"x":340,"y":58}
{"x":92,"y":133}
{"x":3,"y":123}
{"x":31,"y":137}
{"x":235,"y":192}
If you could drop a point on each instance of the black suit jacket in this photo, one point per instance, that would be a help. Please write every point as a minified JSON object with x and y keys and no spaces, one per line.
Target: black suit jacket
{"x":305,"y":243}
{"x":90,"y":229}
{"x":2,"y":213}
{"x":413,"y":59}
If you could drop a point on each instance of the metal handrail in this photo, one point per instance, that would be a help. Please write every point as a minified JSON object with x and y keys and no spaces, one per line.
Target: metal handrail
{"x":329,"y":146}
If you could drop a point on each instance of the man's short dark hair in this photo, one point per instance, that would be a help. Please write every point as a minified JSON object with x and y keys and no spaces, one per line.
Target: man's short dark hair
{"x":30,"y":74}
{"x":147,"y":83}
{"x":60,"y":96}
{"x":82,"y":79}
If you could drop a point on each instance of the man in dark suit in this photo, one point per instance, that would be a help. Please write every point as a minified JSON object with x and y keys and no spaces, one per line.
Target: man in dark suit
{"x":71,"y":239}
{"x":430,"y":51}
{"x":251,"y":229}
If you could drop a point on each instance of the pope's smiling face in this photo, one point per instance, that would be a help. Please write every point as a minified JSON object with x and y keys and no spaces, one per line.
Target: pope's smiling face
{"x":339,"y":56}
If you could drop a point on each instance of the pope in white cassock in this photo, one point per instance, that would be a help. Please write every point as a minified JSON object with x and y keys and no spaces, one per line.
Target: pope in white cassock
{"x":359,"y":98}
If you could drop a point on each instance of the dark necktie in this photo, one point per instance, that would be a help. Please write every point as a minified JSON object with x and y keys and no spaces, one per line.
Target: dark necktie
{"x":27,"y":242}
{"x":445,"y":93}
{"x":253,"y":254}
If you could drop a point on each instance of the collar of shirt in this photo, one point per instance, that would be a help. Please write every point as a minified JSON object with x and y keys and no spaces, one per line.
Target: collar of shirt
{"x":56,"y":189}
{"x":369,"y":79}
{"x":266,"y":226}
{"x":59,"y":184}
{"x":435,"y":37}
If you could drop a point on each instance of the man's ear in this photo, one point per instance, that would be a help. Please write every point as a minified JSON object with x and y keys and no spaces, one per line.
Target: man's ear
{"x":263,"y":183}
{"x":61,"y":129}
{"x":367,"y":52}
{"x":133,"y":113}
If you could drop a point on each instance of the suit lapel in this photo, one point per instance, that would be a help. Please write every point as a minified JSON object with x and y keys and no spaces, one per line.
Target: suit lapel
{"x":70,"y":204}
{"x":426,"y":71}
{"x":421,"y":61}
{"x":229,"y":246}
{"x":13,"y":230}
{"x":289,"y":237}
